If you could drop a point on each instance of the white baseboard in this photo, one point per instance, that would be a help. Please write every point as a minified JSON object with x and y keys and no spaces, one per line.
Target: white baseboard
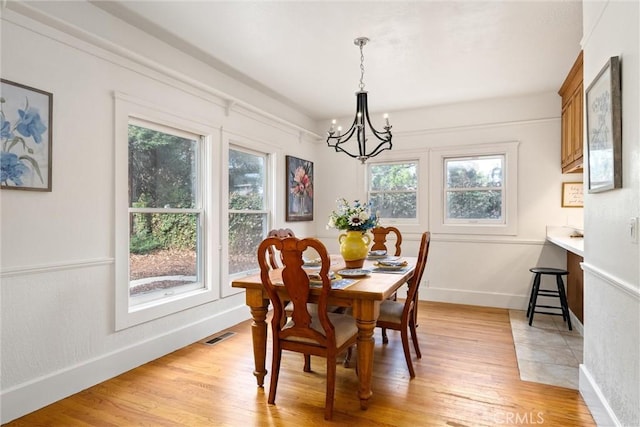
{"x":40,"y":392}
{"x":597,"y":404}
{"x":485,"y":299}
{"x":576,"y":323}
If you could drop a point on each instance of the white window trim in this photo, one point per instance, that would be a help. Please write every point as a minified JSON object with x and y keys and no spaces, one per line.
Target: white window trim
{"x":510,"y":186}
{"x":127,"y":107}
{"x":407,"y":226}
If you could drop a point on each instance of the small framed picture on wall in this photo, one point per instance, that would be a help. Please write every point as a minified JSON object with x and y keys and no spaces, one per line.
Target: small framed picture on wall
{"x":572,"y":195}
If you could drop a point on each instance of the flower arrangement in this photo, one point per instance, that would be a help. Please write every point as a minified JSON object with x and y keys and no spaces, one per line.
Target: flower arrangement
{"x":353,"y":218}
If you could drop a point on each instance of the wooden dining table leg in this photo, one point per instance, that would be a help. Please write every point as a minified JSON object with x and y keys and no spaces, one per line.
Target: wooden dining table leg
{"x":366,"y":314}
{"x":259,"y":307}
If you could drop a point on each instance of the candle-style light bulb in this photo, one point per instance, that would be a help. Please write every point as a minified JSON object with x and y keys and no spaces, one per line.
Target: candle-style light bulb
{"x":333,"y":123}
{"x":386,"y":119}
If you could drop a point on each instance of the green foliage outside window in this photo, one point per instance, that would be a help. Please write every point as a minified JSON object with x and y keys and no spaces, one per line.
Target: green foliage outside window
{"x":161,"y":175}
{"x":162,"y":231}
{"x":393,"y":189}
{"x":247,"y":220}
{"x":474,"y":188}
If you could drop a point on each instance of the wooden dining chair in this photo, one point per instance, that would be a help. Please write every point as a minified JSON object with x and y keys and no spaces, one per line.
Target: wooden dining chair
{"x":401,"y":316}
{"x":310,"y":332}
{"x":380,"y":239}
{"x":274,"y":260}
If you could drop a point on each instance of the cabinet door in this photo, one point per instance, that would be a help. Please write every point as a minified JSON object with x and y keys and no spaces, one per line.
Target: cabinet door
{"x":578,"y":124}
{"x":566,"y":149}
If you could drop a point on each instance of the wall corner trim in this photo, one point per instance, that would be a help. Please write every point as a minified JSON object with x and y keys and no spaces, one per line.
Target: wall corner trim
{"x":595,"y":400}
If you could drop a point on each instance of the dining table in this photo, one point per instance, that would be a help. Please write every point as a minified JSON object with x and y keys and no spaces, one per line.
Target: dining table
{"x":364,"y":296}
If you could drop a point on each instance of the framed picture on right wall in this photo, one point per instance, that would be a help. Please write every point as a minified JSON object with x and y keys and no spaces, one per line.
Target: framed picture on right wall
{"x":604,"y":128}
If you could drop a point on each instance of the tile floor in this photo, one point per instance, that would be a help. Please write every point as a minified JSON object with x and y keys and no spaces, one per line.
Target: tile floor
{"x":547,"y":351}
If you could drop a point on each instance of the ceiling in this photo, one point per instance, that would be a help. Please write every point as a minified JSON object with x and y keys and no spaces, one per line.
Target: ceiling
{"x":421,"y":53}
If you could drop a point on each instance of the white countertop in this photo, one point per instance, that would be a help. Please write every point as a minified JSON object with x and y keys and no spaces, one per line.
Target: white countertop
{"x":560,"y":235}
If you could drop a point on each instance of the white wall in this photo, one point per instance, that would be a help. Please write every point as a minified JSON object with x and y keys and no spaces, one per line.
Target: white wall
{"x":57,"y":248}
{"x":610,"y":375}
{"x":57,"y":265}
{"x":478,"y":270}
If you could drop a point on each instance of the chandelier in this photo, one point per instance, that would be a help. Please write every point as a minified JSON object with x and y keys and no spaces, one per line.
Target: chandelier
{"x":361,"y":127}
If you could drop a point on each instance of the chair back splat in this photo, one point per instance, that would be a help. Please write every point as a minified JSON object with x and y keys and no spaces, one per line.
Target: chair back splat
{"x":380,"y":239}
{"x":280,"y":233}
{"x":315,"y":332}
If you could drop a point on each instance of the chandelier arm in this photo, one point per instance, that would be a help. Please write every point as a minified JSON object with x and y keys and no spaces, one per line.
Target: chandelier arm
{"x":337,"y":147}
{"x":340,"y":139}
{"x":380,"y":148}
{"x":377,"y":133}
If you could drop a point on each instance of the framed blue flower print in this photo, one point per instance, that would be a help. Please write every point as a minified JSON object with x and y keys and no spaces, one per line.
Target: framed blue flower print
{"x":25,"y":134}
{"x":299,"y":189}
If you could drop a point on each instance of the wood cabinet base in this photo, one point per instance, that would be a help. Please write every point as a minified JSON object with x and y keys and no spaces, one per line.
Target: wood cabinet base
{"x":575,"y":285}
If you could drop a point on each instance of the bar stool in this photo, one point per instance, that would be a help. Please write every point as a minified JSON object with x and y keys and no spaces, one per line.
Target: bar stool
{"x":560,"y":293}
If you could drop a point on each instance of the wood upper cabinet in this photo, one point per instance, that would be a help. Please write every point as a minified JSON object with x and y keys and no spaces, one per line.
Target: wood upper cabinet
{"x":572,"y":119}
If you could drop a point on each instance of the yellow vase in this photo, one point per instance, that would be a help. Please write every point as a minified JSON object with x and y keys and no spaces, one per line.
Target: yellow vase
{"x":354,"y":247}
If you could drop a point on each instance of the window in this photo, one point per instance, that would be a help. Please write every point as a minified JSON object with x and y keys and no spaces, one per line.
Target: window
{"x":248,"y":213}
{"x":473,"y":189}
{"x":393,"y":189}
{"x":165,"y":222}
{"x":477,"y":188}
{"x":165,"y":212}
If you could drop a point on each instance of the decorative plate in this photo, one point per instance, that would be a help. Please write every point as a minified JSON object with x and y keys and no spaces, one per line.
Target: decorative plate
{"x":377,"y":254}
{"x":380,"y":267}
{"x":354,"y":272}
{"x":312,"y":262}
{"x":315,"y":277}
{"x":391,"y":265}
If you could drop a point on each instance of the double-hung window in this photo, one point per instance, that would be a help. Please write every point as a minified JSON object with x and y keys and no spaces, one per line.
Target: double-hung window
{"x":165,"y":212}
{"x":393,"y":190}
{"x":477,"y":188}
{"x":473,"y":189}
{"x":247,"y":208}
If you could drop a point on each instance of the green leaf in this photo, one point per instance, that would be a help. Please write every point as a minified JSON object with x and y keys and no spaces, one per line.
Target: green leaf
{"x":17,"y":139}
{"x":34,"y":164}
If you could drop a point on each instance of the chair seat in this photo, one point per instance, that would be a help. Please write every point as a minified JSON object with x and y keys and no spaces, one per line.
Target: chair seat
{"x":391,"y":311}
{"x":345,"y":328}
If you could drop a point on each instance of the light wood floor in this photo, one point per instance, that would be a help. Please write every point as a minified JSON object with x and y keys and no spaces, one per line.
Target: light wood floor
{"x":468,"y":376}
